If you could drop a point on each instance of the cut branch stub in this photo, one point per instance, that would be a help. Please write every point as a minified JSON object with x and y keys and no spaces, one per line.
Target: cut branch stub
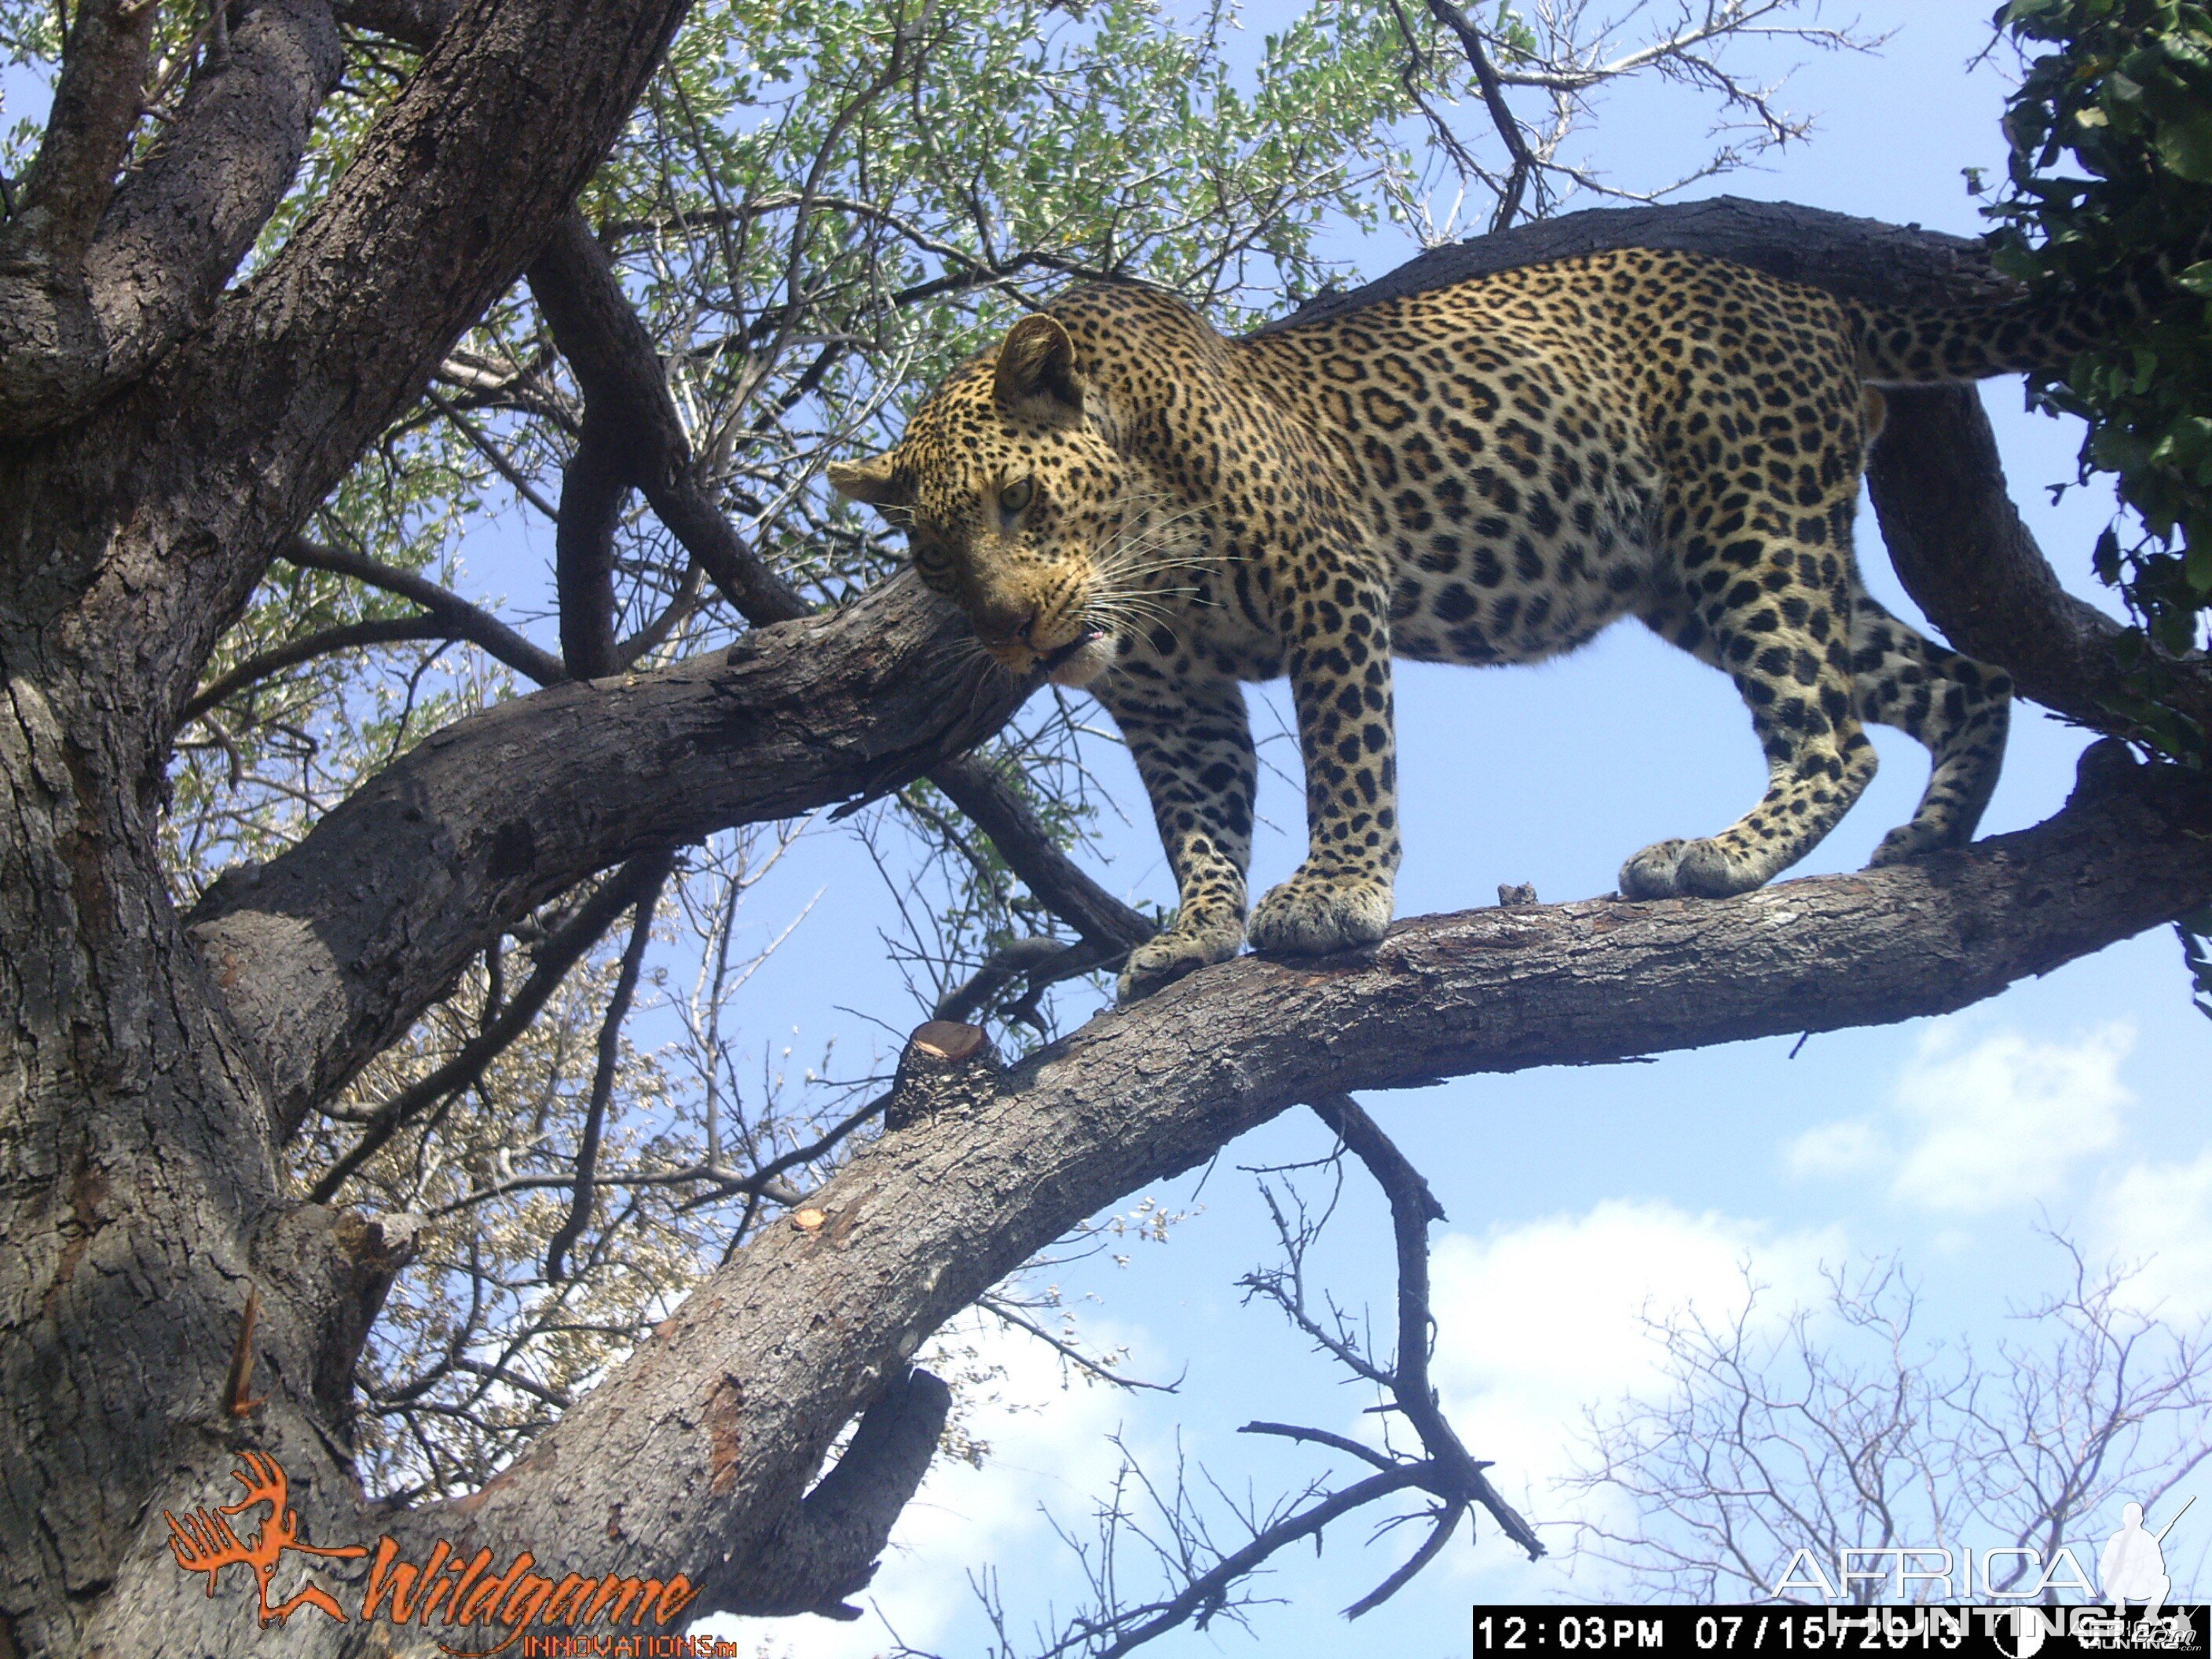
{"x":947,"y":1066}
{"x":334,"y":1267}
{"x":946,"y":1041}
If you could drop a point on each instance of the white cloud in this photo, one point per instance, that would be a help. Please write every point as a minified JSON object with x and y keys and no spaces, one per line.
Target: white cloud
{"x":1538,"y":1323}
{"x":1049,"y":1446}
{"x":1993,"y":1126}
{"x":2160,"y":1215}
{"x":1849,"y":1147}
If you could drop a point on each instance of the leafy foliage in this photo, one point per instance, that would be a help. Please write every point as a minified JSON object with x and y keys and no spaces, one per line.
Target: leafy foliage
{"x":2124,"y":93}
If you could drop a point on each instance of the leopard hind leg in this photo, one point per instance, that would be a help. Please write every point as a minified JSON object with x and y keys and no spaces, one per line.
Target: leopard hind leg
{"x":1955,"y":707}
{"x":1766,"y":609}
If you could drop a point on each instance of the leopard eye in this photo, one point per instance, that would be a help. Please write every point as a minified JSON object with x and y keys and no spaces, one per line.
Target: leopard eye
{"x":931,"y":562}
{"x":1017,"y":495}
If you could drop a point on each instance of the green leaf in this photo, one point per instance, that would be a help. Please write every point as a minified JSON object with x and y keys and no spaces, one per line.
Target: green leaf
{"x":2186,"y":147}
{"x":2105,"y":559}
{"x":2175,"y":631}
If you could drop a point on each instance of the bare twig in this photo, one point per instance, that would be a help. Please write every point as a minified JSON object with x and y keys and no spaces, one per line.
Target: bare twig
{"x":648,"y":884}
{"x":1501,"y":114}
{"x":500,"y":462}
{"x":1208,"y":1588}
{"x":1005,"y":1311}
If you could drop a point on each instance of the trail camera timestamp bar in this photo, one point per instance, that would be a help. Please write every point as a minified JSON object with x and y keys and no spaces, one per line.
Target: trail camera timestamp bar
{"x":1969,"y":1632}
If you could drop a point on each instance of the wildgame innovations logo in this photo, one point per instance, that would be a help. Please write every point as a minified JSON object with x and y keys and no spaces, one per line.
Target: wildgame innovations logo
{"x":473,"y":1606}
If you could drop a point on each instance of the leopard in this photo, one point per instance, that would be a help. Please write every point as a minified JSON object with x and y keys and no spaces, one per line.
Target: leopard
{"x":1121,"y":498}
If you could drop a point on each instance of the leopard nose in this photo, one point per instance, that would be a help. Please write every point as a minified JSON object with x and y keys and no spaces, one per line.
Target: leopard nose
{"x":1002,"y":623}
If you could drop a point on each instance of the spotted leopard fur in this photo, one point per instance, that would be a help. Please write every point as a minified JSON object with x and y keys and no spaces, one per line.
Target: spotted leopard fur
{"x":1489,"y":472}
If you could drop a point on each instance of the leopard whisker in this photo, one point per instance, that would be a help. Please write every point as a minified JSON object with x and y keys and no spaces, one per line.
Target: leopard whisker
{"x":1129,"y":547}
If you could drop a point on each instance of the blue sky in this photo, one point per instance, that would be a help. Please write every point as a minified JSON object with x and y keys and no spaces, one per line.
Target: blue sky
{"x":1578,"y":1197}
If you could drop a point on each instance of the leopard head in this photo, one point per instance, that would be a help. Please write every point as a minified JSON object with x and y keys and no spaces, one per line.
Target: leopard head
{"x":1016,"y":502}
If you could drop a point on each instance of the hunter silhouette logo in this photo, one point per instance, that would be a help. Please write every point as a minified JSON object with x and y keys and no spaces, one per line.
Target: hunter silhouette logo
{"x":204,"y":1541}
{"x":456,"y":1590}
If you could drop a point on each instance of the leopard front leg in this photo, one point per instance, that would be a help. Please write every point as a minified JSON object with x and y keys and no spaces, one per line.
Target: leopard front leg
{"x":1340,"y":666}
{"x":1192,"y":742}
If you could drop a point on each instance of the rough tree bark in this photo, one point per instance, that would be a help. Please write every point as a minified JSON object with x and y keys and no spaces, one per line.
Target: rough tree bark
{"x":163,"y":1306}
{"x":166,"y":441}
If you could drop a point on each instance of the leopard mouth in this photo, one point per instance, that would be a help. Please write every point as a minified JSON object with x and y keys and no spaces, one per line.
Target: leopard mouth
{"x":1059,"y":656}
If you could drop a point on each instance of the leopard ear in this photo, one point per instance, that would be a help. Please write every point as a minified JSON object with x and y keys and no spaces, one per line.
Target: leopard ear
{"x":1036,"y":370}
{"x":872,"y":481}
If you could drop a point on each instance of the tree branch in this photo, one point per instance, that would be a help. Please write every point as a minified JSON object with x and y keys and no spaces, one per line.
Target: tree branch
{"x":175,"y":231}
{"x":517,"y":479}
{"x":480,"y":628}
{"x":1854,"y":259}
{"x":827,"y":1549}
{"x":1501,"y":113}
{"x":416,"y":23}
{"x":1109,"y":927}
{"x":788,"y":1339}
{"x":243,"y":428}
{"x":1968,"y":562}
{"x":593,"y":491}
{"x":95,"y":109}
{"x":655,"y":633}
{"x":331,"y":950}
{"x":597,"y":330}
{"x":1413,"y":1207}
{"x":555,"y":959}
{"x":1456,"y":1481}
{"x":1208,"y":1588}
{"x":647,"y":886}
{"x":349,"y":636}
{"x":980,"y":792}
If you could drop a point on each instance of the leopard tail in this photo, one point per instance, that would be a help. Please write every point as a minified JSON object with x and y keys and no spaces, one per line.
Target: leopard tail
{"x":1921,"y":344}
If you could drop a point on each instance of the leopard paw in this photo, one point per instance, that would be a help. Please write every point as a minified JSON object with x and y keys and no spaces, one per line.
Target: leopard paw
{"x":1703,"y":868}
{"x":1650,"y":874}
{"x":1310,"y":915}
{"x":1167,"y":957}
{"x":1910,"y":841}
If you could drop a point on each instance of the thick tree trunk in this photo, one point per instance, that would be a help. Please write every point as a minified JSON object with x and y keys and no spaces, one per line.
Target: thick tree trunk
{"x":140,"y":1200}
{"x":138,"y":1167}
{"x":150,"y":1072}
